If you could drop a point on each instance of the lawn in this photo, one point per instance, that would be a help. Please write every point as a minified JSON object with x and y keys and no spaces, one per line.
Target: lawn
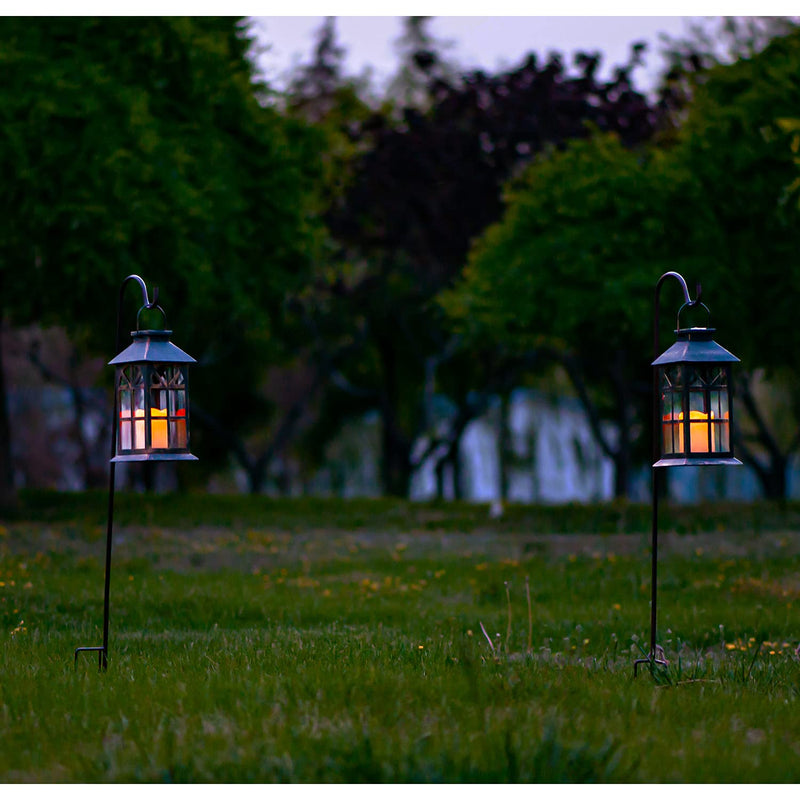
{"x":325,"y":641}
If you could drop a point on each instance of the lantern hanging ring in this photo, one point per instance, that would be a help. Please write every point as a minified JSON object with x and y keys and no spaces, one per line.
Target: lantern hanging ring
{"x":152,"y":307}
{"x":692,"y":304}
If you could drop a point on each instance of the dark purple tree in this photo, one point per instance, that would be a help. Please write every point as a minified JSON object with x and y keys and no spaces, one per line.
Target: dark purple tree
{"x":427,"y":181}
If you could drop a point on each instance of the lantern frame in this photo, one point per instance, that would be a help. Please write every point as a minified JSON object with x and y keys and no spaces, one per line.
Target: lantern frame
{"x":152,"y":399}
{"x":694,"y":401}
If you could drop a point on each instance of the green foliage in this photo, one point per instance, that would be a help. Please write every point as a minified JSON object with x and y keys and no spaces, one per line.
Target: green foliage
{"x":289,"y":651}
{"x":792,"y":127}
{"x":588,"y":230}
{"x":140,"y":146}
{"x":426,"y":181}
{"x":337,"y":105}
{"x":421,"y":56}
{"x":130,"y":147}
{"x":740,"y":157}
{"x":586,"y":233}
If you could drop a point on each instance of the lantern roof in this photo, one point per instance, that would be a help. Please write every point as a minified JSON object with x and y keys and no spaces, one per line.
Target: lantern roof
{"x":694,"y":345}
{"x":152,"y":347}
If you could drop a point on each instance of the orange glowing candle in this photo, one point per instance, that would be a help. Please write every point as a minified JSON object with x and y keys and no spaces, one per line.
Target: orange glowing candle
{"x":158,"y":428}
{"x":698,"y":432}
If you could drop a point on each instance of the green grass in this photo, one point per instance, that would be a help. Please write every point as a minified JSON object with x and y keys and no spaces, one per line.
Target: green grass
{"x":322,"y":641}
{"x":87,"y":510}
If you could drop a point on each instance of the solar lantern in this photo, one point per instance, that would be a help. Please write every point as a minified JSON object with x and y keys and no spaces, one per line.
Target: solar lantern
{"x":692,"y":417}
{"x":695,"y":403}
{"x":152,"y":399}
{"x":150,"y":421}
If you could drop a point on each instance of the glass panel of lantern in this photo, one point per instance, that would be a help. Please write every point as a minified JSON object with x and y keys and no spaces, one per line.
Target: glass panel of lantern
{"x":672,"y":410}
{"x":168,"y":408}
{"x":130,"y":387}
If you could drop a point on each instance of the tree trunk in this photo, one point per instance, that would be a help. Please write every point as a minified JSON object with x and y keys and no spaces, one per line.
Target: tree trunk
{"x":503,"y":446}
{"x":395,"y":466}
{"x":438,"y":471}
{"x":148,"y":474}
{"x":773,"y":481}
{"x":621,"y":473}
{"x":92,"y":478}
{"x":622,"y":455}
{"x":771,"y":468}
{"x":395,"y":447}
{"x":8,"y":494}
{"x":770,"y":471}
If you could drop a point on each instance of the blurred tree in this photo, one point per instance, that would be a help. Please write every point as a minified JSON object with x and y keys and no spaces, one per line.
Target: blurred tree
{"x":145,"y":146}
{"x":421,"y":59}
{"x":338,"y":105}
{"x":713,"y":42}
{"x":569,"y":273}
{"x":429,"y":182}
{"x":342,"y":110}
{"x":737,"y":151}
{"x":792,"y":127}
{"x":587,"y":232}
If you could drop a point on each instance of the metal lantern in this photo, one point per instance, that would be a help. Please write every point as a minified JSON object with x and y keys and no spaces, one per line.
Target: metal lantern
{"x":152,"y":399}
{"x":695,"y":409}
{"x":692,"y":420}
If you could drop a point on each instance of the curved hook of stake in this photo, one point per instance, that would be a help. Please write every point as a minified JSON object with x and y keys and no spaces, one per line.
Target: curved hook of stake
{"x":147,"y":303}
{"x":688,"y":302}
{"x":683,"y":285}
{"x":142,"y":286}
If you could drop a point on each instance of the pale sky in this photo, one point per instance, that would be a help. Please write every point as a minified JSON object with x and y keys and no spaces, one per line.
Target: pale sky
{"x":478,"y":41}
{"x":487,"y":42}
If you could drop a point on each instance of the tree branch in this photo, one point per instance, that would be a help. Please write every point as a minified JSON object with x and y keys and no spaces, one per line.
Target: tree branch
{"x":570,"y":364}
{"x":765,"y":436}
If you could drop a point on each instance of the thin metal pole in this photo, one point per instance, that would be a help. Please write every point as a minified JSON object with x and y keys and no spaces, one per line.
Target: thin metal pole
{"x":103,"y":650}
{"x":107,"y":583}
{"x":654,"y":569}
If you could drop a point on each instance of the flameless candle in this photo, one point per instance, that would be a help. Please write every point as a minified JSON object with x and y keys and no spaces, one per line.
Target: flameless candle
{"x":158,"y":429}
{"x":698,"y":432}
